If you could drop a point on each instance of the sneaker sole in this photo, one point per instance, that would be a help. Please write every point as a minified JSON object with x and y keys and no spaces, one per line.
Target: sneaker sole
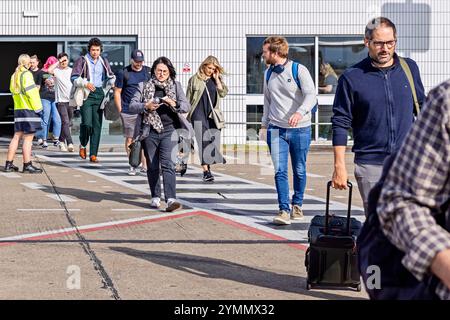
{"x":208,"y":180}
{"x":297,"y":218}
{"x":281,"y":222}
{"x":173,"y":207}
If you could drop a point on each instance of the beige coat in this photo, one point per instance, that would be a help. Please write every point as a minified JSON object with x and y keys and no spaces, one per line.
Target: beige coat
{"x":194,"y":92}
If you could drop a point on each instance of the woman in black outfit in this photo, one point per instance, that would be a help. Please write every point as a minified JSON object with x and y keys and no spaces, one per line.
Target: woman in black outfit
{"x":204,"y":92}
{"x":159,"y":103}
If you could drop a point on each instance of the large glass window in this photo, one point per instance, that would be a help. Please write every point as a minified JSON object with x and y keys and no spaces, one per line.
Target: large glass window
{"x":254,"y":115}
{"x":301,"y":49}
{"x":335,"y":55}
{"x":117,"y":52}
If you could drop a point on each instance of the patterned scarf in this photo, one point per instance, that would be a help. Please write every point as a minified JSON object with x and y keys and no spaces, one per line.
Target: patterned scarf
{"x":152,"y":117}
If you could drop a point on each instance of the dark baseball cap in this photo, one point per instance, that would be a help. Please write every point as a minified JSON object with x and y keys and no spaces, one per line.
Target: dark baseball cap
{"x":137,"y":55}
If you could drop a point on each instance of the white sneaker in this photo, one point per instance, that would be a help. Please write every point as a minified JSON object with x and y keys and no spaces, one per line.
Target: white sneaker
{"x":40,"y":142}
{"x":62,"y":147}
{"x":132,"y":171}
{"x":44,"y":145}
{"x":173,"y":205}
{"x":142,"y":170}
{"x":70,"y":147}
{"x":155,"y":203}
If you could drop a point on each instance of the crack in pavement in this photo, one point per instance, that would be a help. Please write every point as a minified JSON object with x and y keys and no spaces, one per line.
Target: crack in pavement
{"x":97,"y":263}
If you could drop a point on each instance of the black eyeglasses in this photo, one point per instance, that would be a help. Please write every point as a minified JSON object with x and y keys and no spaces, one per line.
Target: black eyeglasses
{"x":380,"y":44}
{"x":65,"y":60}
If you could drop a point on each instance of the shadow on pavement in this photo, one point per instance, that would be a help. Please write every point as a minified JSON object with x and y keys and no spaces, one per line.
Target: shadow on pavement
{"x":93,"y":196}
{"x":221,"y":269}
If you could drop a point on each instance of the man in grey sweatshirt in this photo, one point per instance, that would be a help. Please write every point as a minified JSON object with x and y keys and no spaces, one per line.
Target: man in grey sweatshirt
{"x":286,"y":124}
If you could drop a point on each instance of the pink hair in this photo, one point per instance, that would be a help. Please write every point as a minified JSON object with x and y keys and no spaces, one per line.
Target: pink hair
{"x":51,"y":60}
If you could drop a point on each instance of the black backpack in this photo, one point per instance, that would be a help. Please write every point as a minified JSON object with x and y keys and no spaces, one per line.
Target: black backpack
{"x":375,"y":249}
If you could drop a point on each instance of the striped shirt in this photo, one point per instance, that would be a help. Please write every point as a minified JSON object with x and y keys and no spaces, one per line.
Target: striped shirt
{"x":417,"y":189}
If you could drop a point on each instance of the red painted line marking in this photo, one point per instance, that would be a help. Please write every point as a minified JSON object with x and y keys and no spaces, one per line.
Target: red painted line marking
{"x":251,"y":229}
{"x":120,"y":225}
{"x":150,"y":220}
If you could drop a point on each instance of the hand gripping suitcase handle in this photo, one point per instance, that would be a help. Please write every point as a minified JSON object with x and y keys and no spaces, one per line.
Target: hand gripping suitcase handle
{"x":349,"y":209}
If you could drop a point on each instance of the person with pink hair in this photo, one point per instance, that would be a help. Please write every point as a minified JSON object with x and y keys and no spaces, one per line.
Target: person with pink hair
{"x":47,"y":91}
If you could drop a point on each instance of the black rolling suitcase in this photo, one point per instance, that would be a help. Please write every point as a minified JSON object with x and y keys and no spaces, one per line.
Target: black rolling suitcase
{"x":331,"y":259}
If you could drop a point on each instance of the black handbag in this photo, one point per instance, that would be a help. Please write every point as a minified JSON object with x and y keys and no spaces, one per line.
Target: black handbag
{"x":135,"y":153}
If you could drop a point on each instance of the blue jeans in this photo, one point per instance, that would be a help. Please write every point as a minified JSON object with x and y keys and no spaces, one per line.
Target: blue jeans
{"x":49,"y":110}
{"x":283,"y":142}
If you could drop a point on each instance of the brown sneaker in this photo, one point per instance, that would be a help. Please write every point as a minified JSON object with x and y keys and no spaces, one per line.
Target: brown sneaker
{"x":82,"y":153}
{"x":93,"y":159}
{"x":282,"y":218}
{"x":297,"y":213}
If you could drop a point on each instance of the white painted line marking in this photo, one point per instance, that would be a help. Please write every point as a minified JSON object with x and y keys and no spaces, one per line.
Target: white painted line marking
{"x":135,"y":210}
{"x":30,"y":210}
{"x":10,"y":175}
{"x":312,"y":175}
{"x":61,"y":197}
{"x":33,"y":185}
{"x":92,"y":181}
{"x":94,"y":226}
{"x":269,"y":192}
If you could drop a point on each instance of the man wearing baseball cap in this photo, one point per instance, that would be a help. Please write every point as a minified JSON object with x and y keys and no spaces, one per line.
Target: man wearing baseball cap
{"x":127,"y":83}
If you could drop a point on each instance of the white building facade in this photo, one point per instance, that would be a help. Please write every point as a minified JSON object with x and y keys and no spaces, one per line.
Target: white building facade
{"x":187,"y":31}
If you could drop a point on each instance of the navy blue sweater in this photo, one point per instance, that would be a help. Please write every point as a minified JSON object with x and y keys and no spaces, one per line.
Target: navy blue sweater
{"x":378,"y":105}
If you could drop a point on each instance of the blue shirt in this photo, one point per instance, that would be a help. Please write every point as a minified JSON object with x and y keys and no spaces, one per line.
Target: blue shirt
{"x":378,"y":106}
{"x":131,"y":85}
{"x":96,"y":71}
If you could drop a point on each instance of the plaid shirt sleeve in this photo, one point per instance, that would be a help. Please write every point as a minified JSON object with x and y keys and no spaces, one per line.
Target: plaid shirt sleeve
{"x":418,"y":184}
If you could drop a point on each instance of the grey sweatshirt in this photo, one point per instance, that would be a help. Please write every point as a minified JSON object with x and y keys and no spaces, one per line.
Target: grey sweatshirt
{"x":282,"y":97}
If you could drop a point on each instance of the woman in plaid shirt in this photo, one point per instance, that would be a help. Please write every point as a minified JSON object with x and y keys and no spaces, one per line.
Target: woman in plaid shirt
{"x":417,"y":189}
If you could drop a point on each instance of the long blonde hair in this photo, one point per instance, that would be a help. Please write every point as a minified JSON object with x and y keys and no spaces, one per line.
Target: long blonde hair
{"x":22,"y":62}
{"x":328,"y":70}
{"x":209,"y":60}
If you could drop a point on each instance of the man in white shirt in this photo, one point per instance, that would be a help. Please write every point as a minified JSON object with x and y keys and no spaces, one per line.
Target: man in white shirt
{"x":63,"y":86}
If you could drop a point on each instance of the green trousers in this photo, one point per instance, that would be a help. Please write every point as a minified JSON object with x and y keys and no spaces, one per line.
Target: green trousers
{"x":91,"y":121}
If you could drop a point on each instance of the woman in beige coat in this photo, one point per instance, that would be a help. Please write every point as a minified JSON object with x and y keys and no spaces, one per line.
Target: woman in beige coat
{"x":205,"y":115}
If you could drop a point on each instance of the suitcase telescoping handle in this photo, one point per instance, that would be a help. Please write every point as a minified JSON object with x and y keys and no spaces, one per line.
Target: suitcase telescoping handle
{"x":327,"y":206}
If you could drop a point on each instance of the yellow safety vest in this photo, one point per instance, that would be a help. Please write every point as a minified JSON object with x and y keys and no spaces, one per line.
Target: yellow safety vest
{"x":25,"y":92}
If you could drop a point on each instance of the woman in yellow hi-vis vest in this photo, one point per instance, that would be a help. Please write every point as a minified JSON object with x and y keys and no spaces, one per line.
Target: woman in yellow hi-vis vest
{"x":27,"y":120}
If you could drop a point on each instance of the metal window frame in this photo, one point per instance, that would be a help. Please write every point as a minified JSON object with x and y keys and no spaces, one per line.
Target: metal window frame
{"x":253,"y":98}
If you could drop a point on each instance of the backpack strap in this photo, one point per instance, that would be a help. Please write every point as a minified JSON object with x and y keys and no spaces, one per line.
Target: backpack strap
{"x":126,"y":74}
{"x":269,"y":74}
{"x":297,"y":81}
{"x":410,"y":78}
{"x":295,"y":73}
{"x":148,"y":73}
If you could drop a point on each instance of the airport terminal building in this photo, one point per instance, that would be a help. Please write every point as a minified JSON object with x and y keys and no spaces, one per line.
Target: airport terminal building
{"x":187,"y":31}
